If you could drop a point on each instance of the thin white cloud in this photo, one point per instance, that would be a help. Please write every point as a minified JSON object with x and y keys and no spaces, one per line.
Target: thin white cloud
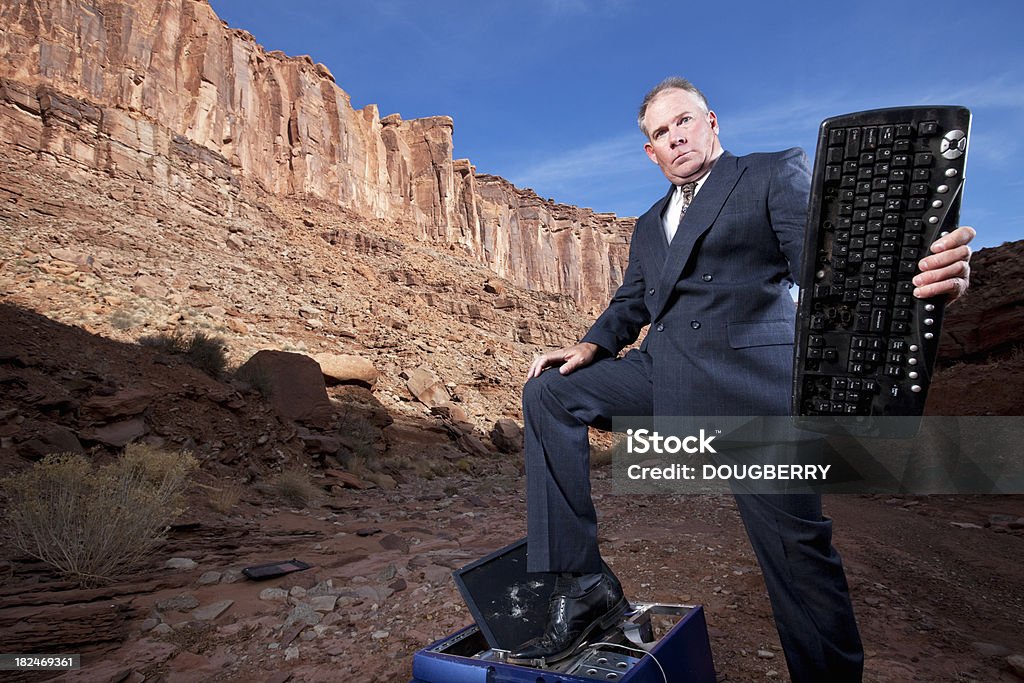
{"x":993,"y":148}
{"x":999,"y":91}
{"x":782,"y":120}
{"x":576,"y":7}
{"x":398,"y":12}
{"x":605,"y":158}
{"x":566,"y":6}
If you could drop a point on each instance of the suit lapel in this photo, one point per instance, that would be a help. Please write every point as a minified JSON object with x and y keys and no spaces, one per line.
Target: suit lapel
{"x":650,"y":233}
{"x":699,"y":218}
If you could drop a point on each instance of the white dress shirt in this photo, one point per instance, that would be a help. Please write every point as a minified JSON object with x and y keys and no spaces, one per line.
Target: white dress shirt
{"x":670,"y":221}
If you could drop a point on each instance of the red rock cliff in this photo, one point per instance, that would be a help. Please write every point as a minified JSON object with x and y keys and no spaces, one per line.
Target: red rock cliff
{"x":163,"y":91}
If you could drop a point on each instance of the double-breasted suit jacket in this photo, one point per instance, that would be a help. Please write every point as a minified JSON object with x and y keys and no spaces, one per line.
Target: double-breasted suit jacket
{"x":718,"y":298}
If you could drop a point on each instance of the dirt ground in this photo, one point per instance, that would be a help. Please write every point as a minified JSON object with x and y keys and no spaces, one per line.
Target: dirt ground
{"x":935,"y":601}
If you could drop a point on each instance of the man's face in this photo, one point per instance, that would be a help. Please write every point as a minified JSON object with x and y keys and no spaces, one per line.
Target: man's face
{"x":683,"y":137}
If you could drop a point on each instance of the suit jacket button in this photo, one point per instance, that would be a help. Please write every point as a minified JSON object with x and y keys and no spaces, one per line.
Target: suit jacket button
{"x":695,"y":324}
{"x":652,"y":291}
{"x":706,"y":277}
{"x":661,"y":328}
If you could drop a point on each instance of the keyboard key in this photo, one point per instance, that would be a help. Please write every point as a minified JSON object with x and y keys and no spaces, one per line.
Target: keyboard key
{"x":870,"y":141}
{"x":879,"y":320}
{"x":852,"y":143}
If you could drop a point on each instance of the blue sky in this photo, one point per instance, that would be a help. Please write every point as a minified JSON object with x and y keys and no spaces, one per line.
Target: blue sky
{"x":544,"y":92}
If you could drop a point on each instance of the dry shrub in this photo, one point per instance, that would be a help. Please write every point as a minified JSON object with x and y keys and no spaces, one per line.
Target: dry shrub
{"x":205,"y":352}
{"x":123,"y":319}
{"x":94,"y":524}
{"x":208,"y":353}
{"x":295,"y":487}
{"x":172,"y":343}
{"x":223,"y":500}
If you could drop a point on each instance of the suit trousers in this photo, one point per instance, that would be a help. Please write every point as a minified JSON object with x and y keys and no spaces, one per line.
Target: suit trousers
{"x":791,"y":539}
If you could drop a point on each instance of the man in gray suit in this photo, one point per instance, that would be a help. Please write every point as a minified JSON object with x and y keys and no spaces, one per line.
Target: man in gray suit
{"x":710,"y":269}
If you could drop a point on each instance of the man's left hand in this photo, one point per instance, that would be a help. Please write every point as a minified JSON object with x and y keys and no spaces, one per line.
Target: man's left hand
{"x":947,"y":270}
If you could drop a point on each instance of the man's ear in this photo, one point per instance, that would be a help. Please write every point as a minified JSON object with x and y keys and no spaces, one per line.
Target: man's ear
{"x":713,"y":121}
{"x":649,"y":148}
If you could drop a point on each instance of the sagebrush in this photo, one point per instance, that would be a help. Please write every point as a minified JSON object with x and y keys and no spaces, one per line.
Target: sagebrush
{"x":95,"y":524}
{"x":295,"y":487}
{"x":206,"y":352}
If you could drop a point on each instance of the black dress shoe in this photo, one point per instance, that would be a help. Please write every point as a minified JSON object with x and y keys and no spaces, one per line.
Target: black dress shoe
{"x":571,"y":618}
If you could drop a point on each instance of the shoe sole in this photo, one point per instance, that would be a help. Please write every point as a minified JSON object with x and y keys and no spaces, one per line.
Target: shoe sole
{"x":612,"y":617}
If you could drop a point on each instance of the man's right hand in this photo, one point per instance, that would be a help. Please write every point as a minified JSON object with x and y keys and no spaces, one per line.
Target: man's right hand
{"x":570,"y":358}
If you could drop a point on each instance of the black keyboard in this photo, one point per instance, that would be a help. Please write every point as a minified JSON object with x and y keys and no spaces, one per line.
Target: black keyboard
{"x":886,"y":184}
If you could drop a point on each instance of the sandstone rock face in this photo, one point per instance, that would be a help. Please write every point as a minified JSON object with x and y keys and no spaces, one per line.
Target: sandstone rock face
{"x":166,"y":93}
{"x":989,"y":318}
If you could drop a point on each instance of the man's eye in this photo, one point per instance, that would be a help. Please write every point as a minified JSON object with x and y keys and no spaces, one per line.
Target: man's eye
{"x":686,"y":119}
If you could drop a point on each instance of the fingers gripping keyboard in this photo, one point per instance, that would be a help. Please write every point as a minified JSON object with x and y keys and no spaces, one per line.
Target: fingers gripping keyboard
{"x":886,"y":184}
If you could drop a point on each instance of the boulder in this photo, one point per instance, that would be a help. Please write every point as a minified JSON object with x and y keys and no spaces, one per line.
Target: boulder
{"x":347,"y":369}
{"x":51,"y":439}
{"x":125,"y":403}
{"x":428,"y":388}
{"x":294,"y":385}
{"x":507,"y":436}
{"x":118,"y":434}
